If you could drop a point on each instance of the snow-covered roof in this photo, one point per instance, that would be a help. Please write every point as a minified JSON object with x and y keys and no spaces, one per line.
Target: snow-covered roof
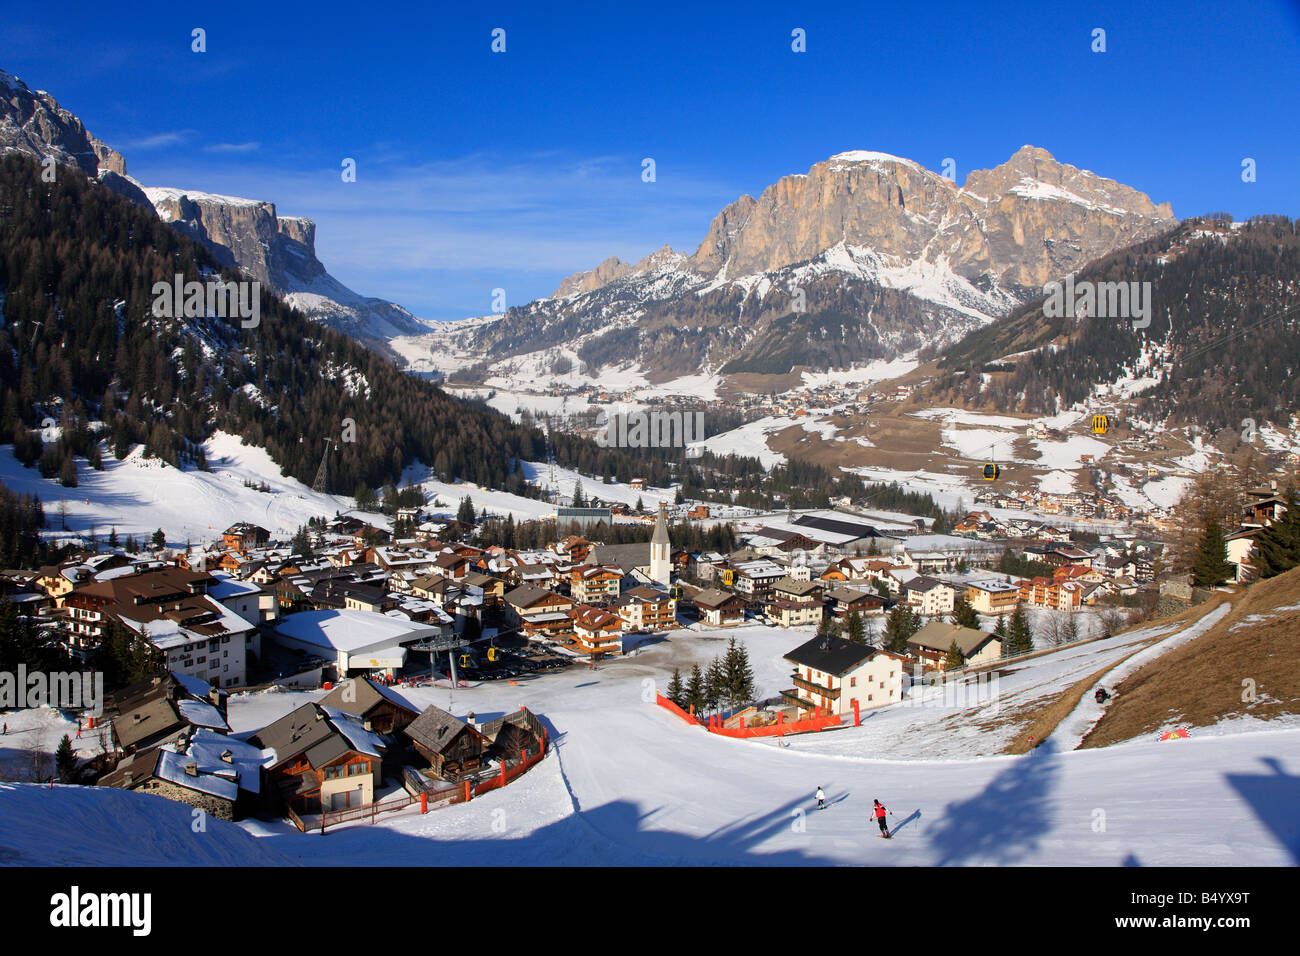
{"x":202,"y":714}
{"x":349,"y":630}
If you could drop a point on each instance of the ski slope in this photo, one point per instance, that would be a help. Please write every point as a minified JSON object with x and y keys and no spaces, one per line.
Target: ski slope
{"x":627,"y":783}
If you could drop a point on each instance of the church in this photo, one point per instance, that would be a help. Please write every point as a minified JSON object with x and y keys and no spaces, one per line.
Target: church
{"x":646,"y":563}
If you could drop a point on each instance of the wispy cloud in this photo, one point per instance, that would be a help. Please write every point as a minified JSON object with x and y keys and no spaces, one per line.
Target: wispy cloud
{"x":158,"y":140}
{"x":233,"y":147}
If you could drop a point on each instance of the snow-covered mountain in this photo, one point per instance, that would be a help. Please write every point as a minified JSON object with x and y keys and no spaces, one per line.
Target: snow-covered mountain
{"x":864,"y":257}
{"x":248,"y":234}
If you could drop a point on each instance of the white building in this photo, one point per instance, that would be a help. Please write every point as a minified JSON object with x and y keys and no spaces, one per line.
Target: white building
{"x":353,"y":640}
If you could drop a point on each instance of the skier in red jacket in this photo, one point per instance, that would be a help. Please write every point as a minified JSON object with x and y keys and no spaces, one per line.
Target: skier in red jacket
{"x":880,"y":812}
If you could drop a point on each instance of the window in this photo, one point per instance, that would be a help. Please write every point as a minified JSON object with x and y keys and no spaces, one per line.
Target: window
{"x":853,"y":682}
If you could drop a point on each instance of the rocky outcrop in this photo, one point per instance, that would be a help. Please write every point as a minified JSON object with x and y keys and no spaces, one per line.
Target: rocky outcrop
{"x":242,"y":234}
{"x":33,"y":123}
{"x":614,"y":268}
{"x":1019,"y":224}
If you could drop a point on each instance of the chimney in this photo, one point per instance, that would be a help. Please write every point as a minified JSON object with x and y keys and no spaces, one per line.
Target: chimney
{"x":126,"y":780}
{"x":227,"y":756}
{"x":191,"y":768}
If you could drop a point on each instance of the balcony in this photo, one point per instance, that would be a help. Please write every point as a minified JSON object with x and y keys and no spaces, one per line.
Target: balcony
{"x":817,"y":689}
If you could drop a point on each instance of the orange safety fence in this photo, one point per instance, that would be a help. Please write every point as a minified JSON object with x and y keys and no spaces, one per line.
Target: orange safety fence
{"x":779,"y":729}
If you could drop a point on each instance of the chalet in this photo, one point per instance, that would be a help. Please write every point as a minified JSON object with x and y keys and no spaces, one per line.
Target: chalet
{"x":243,"y":536}
{"x":539,"y":612}
{"x":148,"y":713}
{"x":830,"y":673}
{"x":992,"y":597}
{"x":509,"y":736}
{"x":212,"y":772}
{"x":596,"y":631}
{"x":451,"y":565}
{"x":379,"y":708}
{"x":170,"y":608}
{"x":788,"y":589}
{"x":323,"y":759}
{"x":595,"y":584}
{"x":645,"y":609}
{"x":932,"y":643}
{"x":929,"y":596}
{"x":843,"y":601}
{"x":754,"y":579}
{"x":452,"y":747}
{"x":790,"y":612}
{"x":1050,"y":593}
{"x":720,"y":608}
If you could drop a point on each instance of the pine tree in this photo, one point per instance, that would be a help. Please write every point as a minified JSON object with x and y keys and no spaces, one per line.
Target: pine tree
{"x":964,"y":615}
{"x":954,"y":660}
{"x":854,"y":628}
{"x":578,"y":500}
{"x":676,"y":689}
{"x":737,"y":675}
{"x":112,"y":538}
{"x":465,"y":514}
{"x":1020,"y":634}
{"x":65,"y":759}
{"x":1070,"y":631}
{"x":715,"y":685}
{"x":159,"y":539}
{"x":695,"y":691}
{"x":898,"y":628}
{"x":1210,"y":566}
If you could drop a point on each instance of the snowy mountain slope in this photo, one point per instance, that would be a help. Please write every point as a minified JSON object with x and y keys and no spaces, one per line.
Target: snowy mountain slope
{"x":117,"y":828}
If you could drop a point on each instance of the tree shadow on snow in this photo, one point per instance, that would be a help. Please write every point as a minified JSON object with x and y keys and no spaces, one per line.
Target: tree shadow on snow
{"x":1002,"y":823}
{"x":1275,"y":799}
{"x":613,"y":834}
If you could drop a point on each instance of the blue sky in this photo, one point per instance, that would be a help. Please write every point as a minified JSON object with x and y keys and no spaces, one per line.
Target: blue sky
{"x":478,"y":170}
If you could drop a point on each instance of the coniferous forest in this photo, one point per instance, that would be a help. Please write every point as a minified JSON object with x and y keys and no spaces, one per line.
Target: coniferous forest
{"x":1230,"y":311}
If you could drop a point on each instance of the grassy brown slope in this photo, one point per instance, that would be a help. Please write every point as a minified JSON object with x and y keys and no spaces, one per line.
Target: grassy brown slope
{"x":1202,"y":682}
{"x":1039,"y":721}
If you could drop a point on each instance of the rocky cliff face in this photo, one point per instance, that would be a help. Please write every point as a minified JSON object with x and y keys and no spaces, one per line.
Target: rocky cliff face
{"x":888,"y":257}
{"x":243,"y":234}
{"x":279,"y":253}
{"x":1019,"y":224}
{"x":32,"y":122}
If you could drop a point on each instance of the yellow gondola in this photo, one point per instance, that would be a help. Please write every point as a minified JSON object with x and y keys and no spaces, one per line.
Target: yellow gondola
{"x":1100,"y":424}
{"x":492,"y":653}
{"x":991,"y":471}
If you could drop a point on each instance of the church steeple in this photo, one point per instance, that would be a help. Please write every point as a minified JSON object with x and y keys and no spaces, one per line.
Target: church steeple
{"x":661,"y":550}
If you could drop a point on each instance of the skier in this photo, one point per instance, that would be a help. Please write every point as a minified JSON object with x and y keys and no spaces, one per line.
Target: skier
{"x":880,"y":812}
{"x":1101,"y":696}
{"x":821,"y":799}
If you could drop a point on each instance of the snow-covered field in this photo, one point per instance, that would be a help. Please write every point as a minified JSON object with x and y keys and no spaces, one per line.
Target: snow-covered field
{"x":628,"y":783}
{"x":138,"y":495}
